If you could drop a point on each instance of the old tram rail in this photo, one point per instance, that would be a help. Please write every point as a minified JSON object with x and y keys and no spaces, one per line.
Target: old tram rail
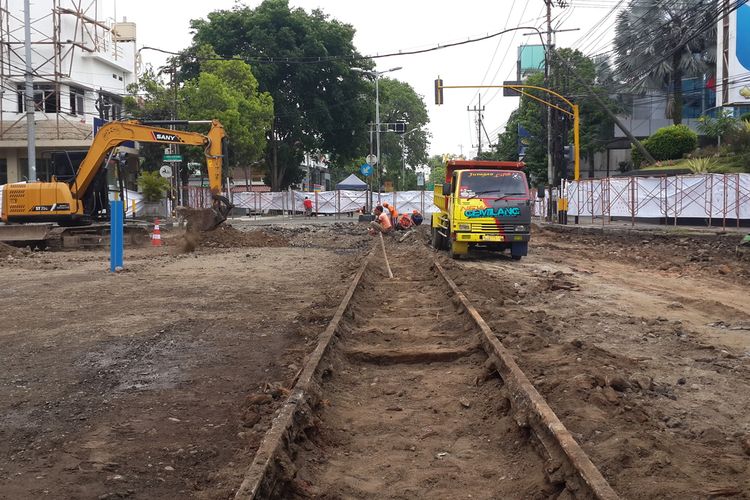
{"x":401,"y":396}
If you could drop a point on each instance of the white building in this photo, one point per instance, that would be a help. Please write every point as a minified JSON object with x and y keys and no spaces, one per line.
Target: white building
{"x":82,"y":62}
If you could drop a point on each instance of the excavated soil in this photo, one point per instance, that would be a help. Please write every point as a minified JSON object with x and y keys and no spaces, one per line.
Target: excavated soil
{"x":407,"y":409}
{"x":225,"y":236}
{"x":160,"y":381}
{"x":9,"y":251}
{"x":640,"y":344}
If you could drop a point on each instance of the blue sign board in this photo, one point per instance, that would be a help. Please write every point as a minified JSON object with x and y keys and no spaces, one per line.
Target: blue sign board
{"x":366,"y":169}
{"x":524,"y":139}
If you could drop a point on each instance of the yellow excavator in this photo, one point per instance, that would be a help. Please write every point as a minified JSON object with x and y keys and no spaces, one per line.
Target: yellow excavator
{"x":74,"y":207}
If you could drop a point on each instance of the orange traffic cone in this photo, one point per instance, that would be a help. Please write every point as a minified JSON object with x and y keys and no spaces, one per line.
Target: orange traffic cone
{"x":156,"y":235}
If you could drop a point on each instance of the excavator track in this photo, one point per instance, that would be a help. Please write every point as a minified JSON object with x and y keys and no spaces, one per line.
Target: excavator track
{"x":52,"y":237}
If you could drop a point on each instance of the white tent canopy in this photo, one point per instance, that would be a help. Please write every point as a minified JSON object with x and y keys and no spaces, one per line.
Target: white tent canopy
{"x":352,"y":183}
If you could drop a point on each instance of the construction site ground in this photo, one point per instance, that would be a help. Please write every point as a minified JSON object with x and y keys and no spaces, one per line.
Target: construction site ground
{"x":160,"y":381}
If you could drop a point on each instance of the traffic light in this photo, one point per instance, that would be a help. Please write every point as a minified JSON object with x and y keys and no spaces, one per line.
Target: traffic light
{"x":438,"y":91}
{"x":568,"y":153}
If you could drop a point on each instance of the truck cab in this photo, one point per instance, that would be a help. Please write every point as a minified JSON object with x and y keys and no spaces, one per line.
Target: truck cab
{"x":483,"y":204}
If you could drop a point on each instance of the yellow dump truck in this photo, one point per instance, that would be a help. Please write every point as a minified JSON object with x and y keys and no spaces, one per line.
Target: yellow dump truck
{"x":482,"y":204}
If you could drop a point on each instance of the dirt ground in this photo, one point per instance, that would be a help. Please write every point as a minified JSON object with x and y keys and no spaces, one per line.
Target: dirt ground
{"x":404,"y":416}
{"x":160,"y":381}
{"x":641,"y":345}
{"x":145,"y":383}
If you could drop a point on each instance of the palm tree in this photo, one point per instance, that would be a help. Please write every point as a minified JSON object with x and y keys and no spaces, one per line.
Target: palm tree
{"x":659,"y":42}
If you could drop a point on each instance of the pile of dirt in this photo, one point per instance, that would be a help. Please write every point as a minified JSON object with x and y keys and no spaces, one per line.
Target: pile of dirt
{"x":618,"y":348}
{"x":197,"y":219}
{"x":9,"y":251}
{"x":226,"y":236}
{"x":713,"y":254}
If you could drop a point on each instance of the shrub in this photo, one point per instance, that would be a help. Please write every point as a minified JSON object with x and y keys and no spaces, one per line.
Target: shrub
{"x":702,"y":165}
{"x":745,"y":117}
{"x":668,"y":143}
{"x":153,"y":186}
{"x":739,"y":139}
{"x":718,"y":127}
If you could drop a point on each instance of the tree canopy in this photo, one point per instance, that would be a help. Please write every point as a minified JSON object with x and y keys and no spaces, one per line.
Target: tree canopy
{"x":228,"y":91}
{"x":399,"y":102}
{"x":321,"y":106}
{"x":665,"y":42}
{"x":225,"y":90}
{"x":595,"y":125}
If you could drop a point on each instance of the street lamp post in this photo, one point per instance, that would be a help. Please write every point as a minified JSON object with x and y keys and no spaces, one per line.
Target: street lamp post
{"x":377,"y":74}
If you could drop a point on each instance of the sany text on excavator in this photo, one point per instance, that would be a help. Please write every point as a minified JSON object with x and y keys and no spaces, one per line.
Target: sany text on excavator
{"x":81,"y":199}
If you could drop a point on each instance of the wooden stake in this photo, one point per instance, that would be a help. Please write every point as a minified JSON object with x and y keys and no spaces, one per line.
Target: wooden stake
{"x":387,"y":265}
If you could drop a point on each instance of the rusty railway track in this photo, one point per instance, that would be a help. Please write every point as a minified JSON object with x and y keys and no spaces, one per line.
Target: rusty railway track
{"x":305,"y":455}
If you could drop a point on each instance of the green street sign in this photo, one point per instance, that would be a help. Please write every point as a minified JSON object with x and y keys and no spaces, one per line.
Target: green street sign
{"x":172,"y":158}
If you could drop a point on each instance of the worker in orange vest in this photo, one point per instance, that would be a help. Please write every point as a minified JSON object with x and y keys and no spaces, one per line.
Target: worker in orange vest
{"x":404,"y":222}
{"x":393,"y":211}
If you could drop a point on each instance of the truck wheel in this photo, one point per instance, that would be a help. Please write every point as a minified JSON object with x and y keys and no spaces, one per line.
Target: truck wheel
{"x":457,"y":249}
{"x":434,"y":237}
{"x":452,"y":251}
{"x":518,"y":250}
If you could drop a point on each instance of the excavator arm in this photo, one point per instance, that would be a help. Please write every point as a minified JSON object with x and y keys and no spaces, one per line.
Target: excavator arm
{"x":75,"y":202}
{"x":114,"y":134}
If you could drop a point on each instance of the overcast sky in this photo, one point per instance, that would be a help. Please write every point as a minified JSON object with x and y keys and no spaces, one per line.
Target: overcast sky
{"x":392,"y":25}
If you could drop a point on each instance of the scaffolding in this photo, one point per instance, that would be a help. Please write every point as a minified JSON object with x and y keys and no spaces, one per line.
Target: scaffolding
{"x":59,"y":35}
{"x":716,"y":199}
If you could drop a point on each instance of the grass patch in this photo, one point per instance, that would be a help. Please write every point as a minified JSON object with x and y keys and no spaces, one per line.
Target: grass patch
{"x":724,"y":165}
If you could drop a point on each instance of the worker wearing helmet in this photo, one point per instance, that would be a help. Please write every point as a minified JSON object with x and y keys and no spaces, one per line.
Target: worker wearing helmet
{"x":392,"y":210}
{"x":416,"y":217}
{"x":404,"y":222}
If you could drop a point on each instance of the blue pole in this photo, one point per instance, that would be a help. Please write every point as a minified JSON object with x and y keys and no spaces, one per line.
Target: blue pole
{"x":115,"y":235}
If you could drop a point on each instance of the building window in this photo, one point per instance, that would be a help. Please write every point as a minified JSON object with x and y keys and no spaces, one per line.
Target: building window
{"x":76,"y":101}
{"x":46,"y":98}
{"x":109,"y":106}
{"x":3,"y":171}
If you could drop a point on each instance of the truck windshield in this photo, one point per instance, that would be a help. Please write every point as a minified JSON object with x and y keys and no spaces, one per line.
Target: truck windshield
{"x":492,"y":185}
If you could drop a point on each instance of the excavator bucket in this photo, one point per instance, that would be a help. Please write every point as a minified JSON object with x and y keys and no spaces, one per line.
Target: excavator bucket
{"x":207,"y":219}
{"x":221,"y":208}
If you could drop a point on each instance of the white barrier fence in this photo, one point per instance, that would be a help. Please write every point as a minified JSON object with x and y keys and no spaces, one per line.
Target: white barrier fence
{"x":713,"y":197}
{"x":332,"y":202}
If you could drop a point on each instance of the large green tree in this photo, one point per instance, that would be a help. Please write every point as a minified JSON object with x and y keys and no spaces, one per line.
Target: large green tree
{"x":225,"y":90}
{"x":399,"y":102}
{"x":658,"y":43}
{"x":228,"y":91}
{"x":319,"y":102}
{"x":150,"y":99}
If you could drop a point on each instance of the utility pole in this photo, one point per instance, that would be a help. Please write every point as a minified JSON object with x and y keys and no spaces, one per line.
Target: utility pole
{"x":478,"y":110}
{"x":180,"y":196}
{"x":379,"y":164}
{"x":29,"y":97}
{"x":547,"y":77}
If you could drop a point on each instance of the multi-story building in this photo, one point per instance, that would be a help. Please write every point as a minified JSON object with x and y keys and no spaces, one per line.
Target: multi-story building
{"x":82,"y":62}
